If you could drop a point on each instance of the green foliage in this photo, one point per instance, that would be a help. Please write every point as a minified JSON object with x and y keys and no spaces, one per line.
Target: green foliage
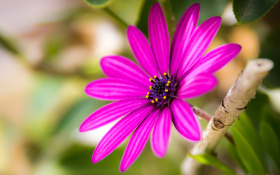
{"x":142,"y":23}
{"x":247,"y":131}
{"x":76,"y":160}
{"x":124,"y":7}
{"x":209,"y":159}
{"x":272,"y":119}
{"x":246,"y":152}
{"x":8,"y":44}
{"x":77,"y":113}
{"x":233,"y":153}
{"x":270,"y":49}
{"x":208,"y":8}
{"x":41,"y":106}
{"x":54,"y":44}
{"x":270,"y":143}
{"x":256,"y":136}
{"x":251,"y":10}
{"x":255,"y":108}
{"x":98,"y":3}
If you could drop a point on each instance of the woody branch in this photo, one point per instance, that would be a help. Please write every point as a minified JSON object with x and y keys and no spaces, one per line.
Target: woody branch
{"x":231,"y":107}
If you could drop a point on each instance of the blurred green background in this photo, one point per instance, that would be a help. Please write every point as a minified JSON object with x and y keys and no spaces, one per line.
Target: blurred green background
{"x":49,"y":51}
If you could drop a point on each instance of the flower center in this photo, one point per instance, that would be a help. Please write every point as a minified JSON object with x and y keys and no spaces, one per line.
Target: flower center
{"x":163,"y":90}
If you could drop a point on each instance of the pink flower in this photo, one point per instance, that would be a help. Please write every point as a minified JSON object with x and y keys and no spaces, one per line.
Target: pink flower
{"x":151,"y":98}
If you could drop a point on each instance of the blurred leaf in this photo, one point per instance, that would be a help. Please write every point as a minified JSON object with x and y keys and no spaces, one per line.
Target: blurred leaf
{"x":271,"y":143}
{"x":46,"y":88}
{"x":143,"y":21}
{"x":208,"y":8}
{"x":8,"y":44}
{"x":42,"y":100}
{"x":124,"y":7}
{"x":247,"y":154}
{"x":54,"y":45}
{"x":255,"y":109}
{"x":76,"y":160}
{"x":251,"y":10}
{"x":98,"y":3}
{"x":272,"y":119}
{"x":270,"y":49}
{"x":245,"y":127}
{"x":208,"y":159}
{"x":77,"y":113}
{"x":233,"y":153}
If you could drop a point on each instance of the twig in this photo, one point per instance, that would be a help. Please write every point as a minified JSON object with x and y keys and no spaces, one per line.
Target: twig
{"x":231,"y":107}
{"x":204,"y":115}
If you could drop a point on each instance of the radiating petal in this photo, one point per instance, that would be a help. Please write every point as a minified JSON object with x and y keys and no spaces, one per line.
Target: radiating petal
{"x":161,"y":134}
{"x":138,"y":141}
{"x":184,"y":120}
{"x":159,"y":37}
{"x":194,"y":86}
{"x":184,"y":30}
{"x":142,"y":50}
{"x":119,"y":132}
{"x":111,"y":112}
{"x":114,"y":89}
{"x":198,"y":43}
{"x":215,"y":59}
{"x":120,"y":67}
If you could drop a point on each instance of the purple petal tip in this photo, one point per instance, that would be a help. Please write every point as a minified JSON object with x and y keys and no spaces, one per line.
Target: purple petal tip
{"x":94,"y":158}
{"x":196,"y":5}
{"x":161,"y":156}
{"x":217,"y":18}
{"x":81,"y":129}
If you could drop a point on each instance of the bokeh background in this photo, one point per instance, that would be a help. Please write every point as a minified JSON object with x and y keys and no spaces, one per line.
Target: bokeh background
{"x":50,"y":50}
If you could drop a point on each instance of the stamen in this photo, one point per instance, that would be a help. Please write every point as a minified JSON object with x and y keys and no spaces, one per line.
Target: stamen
{"x":162,"y":90}
{"x":165,"y":74}
{"x":156,"y":77}
{"x":151,"y":80}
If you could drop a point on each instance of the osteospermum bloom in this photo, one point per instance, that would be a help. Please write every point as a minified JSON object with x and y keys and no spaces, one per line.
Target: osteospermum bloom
{"x":151,"y":97}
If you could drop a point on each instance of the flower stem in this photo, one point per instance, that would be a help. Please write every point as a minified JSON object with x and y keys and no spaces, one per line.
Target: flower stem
{"x":116,"y":17}
{"x":170,"y":19}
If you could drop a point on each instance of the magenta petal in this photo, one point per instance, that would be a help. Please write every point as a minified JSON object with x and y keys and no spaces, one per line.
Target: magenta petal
{"x":194,"y":86}
{"x":215,"y":59}
{"x":161,"y":133}
{"x":185,"y":121}
{"x":111,"y":112}
{"x":198,"y":43}
{"x":142,"y":50}
{"x":159,"y":37}
{"x":184,"y":30}
{"x":138,"y":141}
{"x":119,"y":132}
{"x":120,"y":67}
{"x":114,"y":89}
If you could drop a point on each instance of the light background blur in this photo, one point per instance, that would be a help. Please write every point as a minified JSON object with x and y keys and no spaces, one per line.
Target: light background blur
{"x":50,"y":50}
